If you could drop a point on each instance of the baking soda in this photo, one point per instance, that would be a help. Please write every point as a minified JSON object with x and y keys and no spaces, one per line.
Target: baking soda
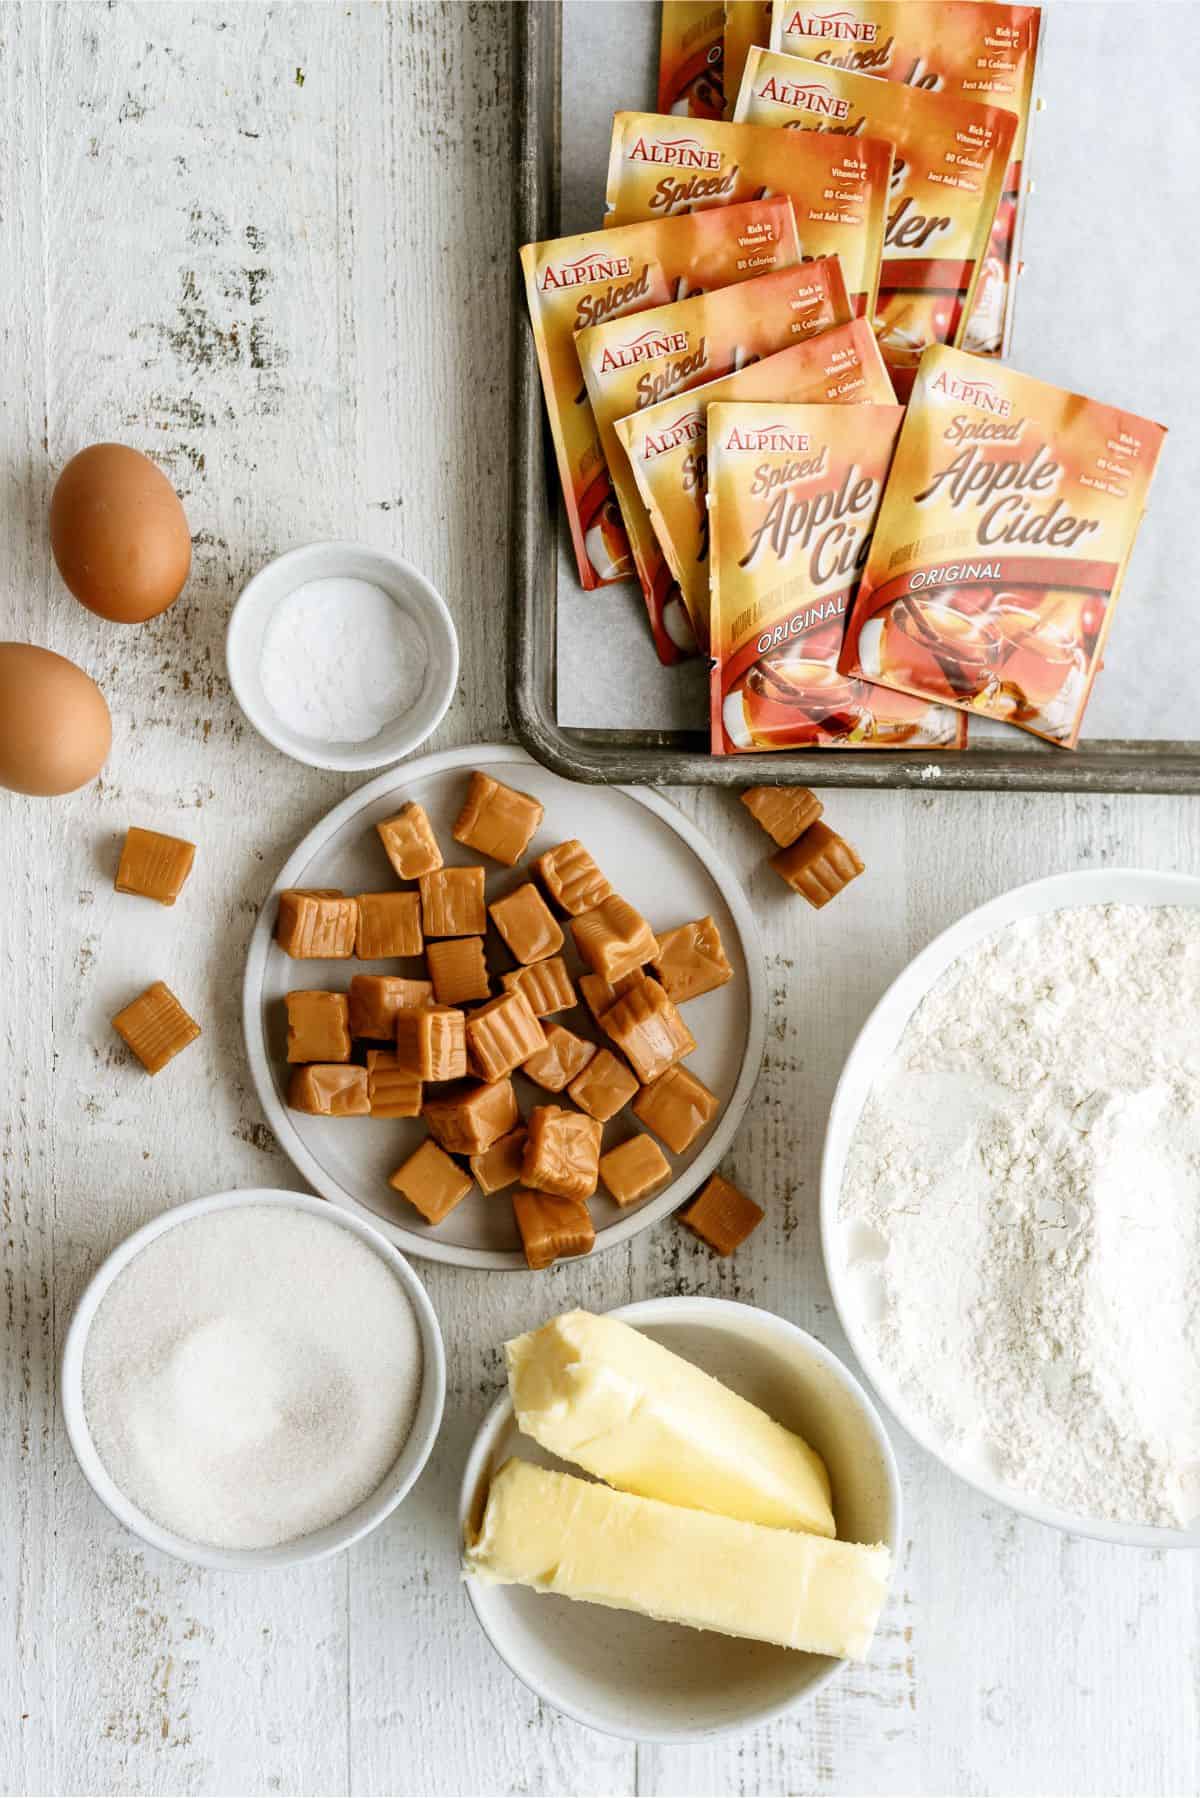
{"x":340,"y":660}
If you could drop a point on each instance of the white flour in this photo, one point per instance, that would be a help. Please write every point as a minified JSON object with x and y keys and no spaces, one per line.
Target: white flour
{"x":340,"y":659}
{"x":1021,"y":1210}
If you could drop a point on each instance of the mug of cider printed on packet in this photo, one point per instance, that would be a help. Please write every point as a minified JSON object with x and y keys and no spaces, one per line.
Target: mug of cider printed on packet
{"x":632,"y":363}
{"x":793,"y":493}
{"x":838,"y":186}
{"x":1001,"y":543}
{"x":667,"y":444}
{"x":747,"y":24}
{"x":951,"y":157}
{"x":690,"y":55}
{"x":571,"y":282}
{"x":968,"y":49}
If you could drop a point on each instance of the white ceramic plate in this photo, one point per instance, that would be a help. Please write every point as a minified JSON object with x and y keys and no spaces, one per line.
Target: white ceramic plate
{"x":650,"y":853}
{"x":876,"y":1042}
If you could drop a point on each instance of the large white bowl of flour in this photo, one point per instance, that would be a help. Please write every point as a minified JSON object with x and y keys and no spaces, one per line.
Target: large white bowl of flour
{"x":1010,"y":1202}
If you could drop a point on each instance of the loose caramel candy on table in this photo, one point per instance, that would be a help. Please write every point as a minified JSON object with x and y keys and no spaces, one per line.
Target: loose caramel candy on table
{"x":153,"y":865}
{"x":156,"y":1027}
{"x":496,"y":820}
{"x":721,"y":1216}
{"x":677,"y":1107}
{"x":459,"y":969}
{"x":648,"y":1030}
{"x":564,"y":1056}
{"x":388,"y":924}
{"x":500,"y":1165}
{"x":597,"y":994}
{"x":691,"y":961}
{"x":452,"y":902}
{"x":604,"y":1087}
{"x":562,"y":1154}
{"x":613,"y":939}
{"x":571,"y":877}
{"x":818,"y":866}
{"x":546,"y":985}
{"x":432,"y":1042}
{"x":634,"y":1169}
{"x":527,"y":924}
{"x":409,"y":842}
{"x":552,"y":1227}
{"x":394,"y":1092}
{"x":318,"y":1026}
{"x":316,"y":924}
{"x":470,"y":1118}
{"x":432,"y":1182}
{"x":503,"y":1034}
{"x":330,"y":1090}
{"x":376,"y":1000}
{"x":785,"y":813}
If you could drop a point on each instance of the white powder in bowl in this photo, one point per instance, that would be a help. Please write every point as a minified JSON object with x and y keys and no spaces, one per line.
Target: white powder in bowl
{"x":251,"y":1376}
{"x":340,"y":660}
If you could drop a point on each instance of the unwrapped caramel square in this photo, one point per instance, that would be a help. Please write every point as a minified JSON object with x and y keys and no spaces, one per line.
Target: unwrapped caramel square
{"x":564,"y":1056}
{"x":634,"y":1169}
{"x":153,"y":865}
{"x":409,"y":842}
{"x":394,"y":1092}
{"x":546,"y":985}
{"x":598,"y":995}
{"x":376,"y":999}
{"x":503,"y":1034}
{"x":552,"y":1227}
{"x":432,"y":1182}
{"x":459,"y":969}
{"x":156,"y":1027}
{"x":496,"y":820}
{"x":500,"y":1166}
{"x":452,"y":902}
{"x":613,"y":939}
{"x":818,"y":866}
{"x":562,"y":1154}
{"x":316,"y":924}
{"x":721,"y":1216}
{"x":432,"y":1042}
{"x":471,"y":1115}
{"x":318,"y":1026}
{"x":785,"y":813}
{"x":329,"y":1090}
{"x":691,"y":960}
{"x":648,"y":1030}
{"x":527,"y":924}
{"x":571,"y":877}
{"x":677,"y":1107}
{"x":388,"y":924}
{"x":604,"y":1087}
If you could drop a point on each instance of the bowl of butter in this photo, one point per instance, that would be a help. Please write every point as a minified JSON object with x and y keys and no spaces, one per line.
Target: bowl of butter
{"x":680,"y":1519}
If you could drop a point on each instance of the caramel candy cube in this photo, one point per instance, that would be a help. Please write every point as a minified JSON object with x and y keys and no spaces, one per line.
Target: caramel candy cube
{"x":597,"y":994}
{"x":329,"y":1090}
{"x":316,"y":924}
{"x":721,"y":1216}
{"x":153,"y":865}
{"x":452,"y":902}
{"x":564,"y":1056}
{"x":677,"y":1107}
{"x":388,"y":924}
{"x":604,"y":1087}
{"x":432,"y":1042}
{"x":785,"y":813}
{"x":496,"y":820}
{"x":432,"y":1182}
{"x":318,"y":1027}
{"x":459,"y":970}
{"x":546,"y":985}
{"x":503,"y":1034}
{"x":409,"y":842}
{"x":613,"y":939}
{"x":500,"y":1166}
{"x":376,"y":1000}
{"x":571,"y":877}
{"x":818,"y":866}
{"x":649,"y":1031}
{"x":394,"y":1092}
{"x":156,"y":1027}
{"x":527,"y":925}
{"x":471,"y":1117}
{"x":552,"y":1227}
{"x":634,"y":1169}
{"x":691,"y":960}
{"x":562,"y":1154}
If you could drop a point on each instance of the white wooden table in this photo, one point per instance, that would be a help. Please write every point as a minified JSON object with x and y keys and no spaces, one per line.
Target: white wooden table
{"x":271,"y":246}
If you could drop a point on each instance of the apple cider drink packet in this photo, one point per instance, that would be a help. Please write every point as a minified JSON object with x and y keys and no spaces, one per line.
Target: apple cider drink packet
{"x":667,"y":444}
{"x":793,"y":493}
{"x":839,"y":188}
{"x":632,"y":363}
{"x":951,"y":158}
{"x":968,"y":49}
{"x":690,"y":51}
{"x":1003,"y":537}
{"x":571,"y":282}
{"x":747,"y":23}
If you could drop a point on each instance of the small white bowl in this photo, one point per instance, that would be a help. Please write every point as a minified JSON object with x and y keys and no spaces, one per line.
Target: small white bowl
{"x":334,"y":1536}
{"x":408,"y":589}
{"x":657,"y":1682}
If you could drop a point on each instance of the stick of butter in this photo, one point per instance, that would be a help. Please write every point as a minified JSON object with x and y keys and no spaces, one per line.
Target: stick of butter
{"x":617,"y":1403}
{"x":581,"y":1540}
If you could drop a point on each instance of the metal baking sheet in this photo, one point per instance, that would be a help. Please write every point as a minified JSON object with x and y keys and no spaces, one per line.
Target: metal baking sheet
{"x":1105,"y":306}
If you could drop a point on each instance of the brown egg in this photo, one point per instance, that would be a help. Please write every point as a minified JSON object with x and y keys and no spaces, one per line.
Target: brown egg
{"x":119,"y":533}
{"x":55,"y":730}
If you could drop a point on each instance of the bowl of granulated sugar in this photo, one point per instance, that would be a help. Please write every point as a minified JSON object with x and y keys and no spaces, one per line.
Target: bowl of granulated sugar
{"x":253,"y":1380}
